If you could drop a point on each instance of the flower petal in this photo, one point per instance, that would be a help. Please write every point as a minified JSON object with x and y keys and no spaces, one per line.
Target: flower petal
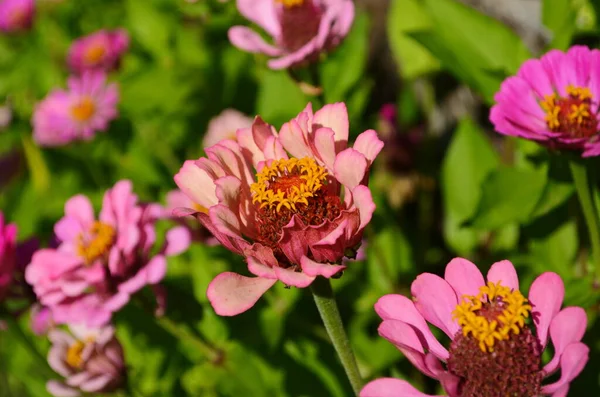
{"x":464,"y":277}
{"x":436,"y":300}
{"x":247,"y":39}
{"x":196,"y":184}
{"x":58,"y":389}
{"x":312,"y":268}
{"x":391,"y":387}
{"x":369,"y":144}
{"x":350,"y":168}
{"x":504,"y":272}
{"x":231,"y":294}
{"x":572,"y":362}
{"x":334,"y":116}
{"x":262,"y":13}
{"x":546,"y":296}
{"x":567,"y":327}
{"x":290,"y":277}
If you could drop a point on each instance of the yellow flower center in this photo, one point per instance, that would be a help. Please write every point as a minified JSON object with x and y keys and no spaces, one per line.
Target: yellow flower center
{"x":94,"y":54}
{"x":84,"y":109}
{"x":200,"y":208}
{"x":74,"y":355}
{"x":286,"y":183}
{"x":572,"y":114}
{"x":290,"y":3}
{"x":492,"y":315}
{"x":96,"y":242}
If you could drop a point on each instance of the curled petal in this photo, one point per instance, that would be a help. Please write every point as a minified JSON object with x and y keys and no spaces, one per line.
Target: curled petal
{"x":572,"y":362}
{"x":369,"y":144}
{"x":546,"y":296}
{"x":567,"y":327}
{"x":290,"y":277}
{"x":312,"y":268}
{"x":231,"y":294}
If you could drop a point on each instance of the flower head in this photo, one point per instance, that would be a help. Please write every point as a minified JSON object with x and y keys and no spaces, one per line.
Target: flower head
{"x":101,"y":262}
{"x":8,"y":245}
{"x":301,"y":29}
{"x":91,"y":360}
{"x":293,"y":203}
{"x":497,"y":335}
{"x":85,"y":108}
{"x":554,"y":101}
{"x":16,"y":15}
{"x":101,"y":50}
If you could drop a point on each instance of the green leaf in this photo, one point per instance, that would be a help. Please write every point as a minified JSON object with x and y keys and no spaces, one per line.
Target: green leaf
{"x":509,"y":195}
{"x":560,"y":17}
{"x":279,"y":98}
{"x":150,"y":27}
{"x":555,"y":194}
{"x":556,"y":251}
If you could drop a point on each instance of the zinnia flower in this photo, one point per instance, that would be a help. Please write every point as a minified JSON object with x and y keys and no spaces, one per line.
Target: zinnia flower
{"x":293,"y":203}
{"x":224,"y":126}
{"x":301,"y":29}
{"x":101,"y":50}
{"x":553,"y":100}
{"x":8,"y":245}
{"x":77,"y":114}
{"x":91,"y":360}
{"x":16,"y":15}
{"x":101,"y":262}
{"x":495,"y":350}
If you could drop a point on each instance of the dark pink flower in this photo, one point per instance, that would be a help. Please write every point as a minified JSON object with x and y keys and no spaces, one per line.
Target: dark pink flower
{"x":16,"y":15}
{"x":554,"y":101}
{"x":101,"y":50}
{"x":301,"y":29}
{"x":101,"y":262}
{"x":8,"y":246}
{"x":493,"y":349}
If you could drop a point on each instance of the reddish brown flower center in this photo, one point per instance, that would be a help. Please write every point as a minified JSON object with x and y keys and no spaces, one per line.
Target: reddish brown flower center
{"x":83,"y":109}
{"x":94,"y":54}
{"x":300,"y":20}
{"x":18,"y":18}
{"x":573,"y":114}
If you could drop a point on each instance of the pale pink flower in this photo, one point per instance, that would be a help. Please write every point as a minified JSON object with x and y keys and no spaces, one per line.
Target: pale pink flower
{"x":177,"y":199}
{"x":16,"y":15}
{"x":300,"y":29}
{"x":101,"y":262}
{"x":101,"y":50}
{"x":87,"y":107}
{"x":493,"y":349}
{"x":8,"y":246}
{"x":293,"y":203}
{"x":90,"y":360}
{"x":224,"y":126}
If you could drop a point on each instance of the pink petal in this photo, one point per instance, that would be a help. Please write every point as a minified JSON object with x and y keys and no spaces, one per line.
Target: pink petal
{"x":546,"y":296}
{"x":464,"y":277}
{"x":436,"y":300}
{"x":312,"y":268}
{"x":567,"y":327}
{"x":178,"y":239}
{"x":350,"y":168}
{"x":334,"y":116}
{"x":225,"y":221}
{"x":363,"y":201}
{"x":293,"y":139}
{"x":391,"y":387}
{"x":504,"y":272}
{"x":262,"y":13}
{"x":196,"y":184}
{"x":260,"y":269}
{"x":246,"y":39}
{"x":293,"y":278}
{"x":572,"y":362}
{"x":369,"y":144}
{"x":325,"y":146}
{"x":58,"y":389}
{"x":96,"y":384}
{"x":231,"y":294}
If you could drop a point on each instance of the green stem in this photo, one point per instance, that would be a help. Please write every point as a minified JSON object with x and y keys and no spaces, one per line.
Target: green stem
{"x":183,"y":334}
{"x":325,"y":301}
{"x":580,"y":178}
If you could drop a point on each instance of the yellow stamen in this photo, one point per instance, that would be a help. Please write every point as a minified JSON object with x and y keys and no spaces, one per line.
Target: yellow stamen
{"x":515,"y":310}
{"x":102,"y":237}
{"x":94,"y":54}
{"x":581,"y":93}
{"x":74,"y":359}
{"x":84,"y":109}
{"x":579,"y":112}
{"x":290,"y":3}
{"x":200,"y":208}
{"x":285,"y":183}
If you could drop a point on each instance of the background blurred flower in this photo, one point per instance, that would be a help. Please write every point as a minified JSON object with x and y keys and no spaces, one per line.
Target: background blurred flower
{"x":224,"y":126}
{"x":553,"y":100}
{"x":101,"y":50}
{"x":493,"y":349}
{"x":16,"y":15}
{"x":288,"y":218}
{"x":91,"y":360}
{"x":100,"y":263}
{"x":301,"y":29}
{"x":8,"y":245}
{"x":77,"y":114}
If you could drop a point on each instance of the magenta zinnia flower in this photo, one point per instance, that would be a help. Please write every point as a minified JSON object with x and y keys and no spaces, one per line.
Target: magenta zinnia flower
{"x":77,"y":114}
{"x":16,"y":15}
{"x":101,"y":50}
{"x":301,"y":29}
{"x":294,"y":203}
{"x":495,"y":349}
{"x":101,"y":262}
{"x":8,"y":245}
{"x":554,"y":101}
{"x":91,"y":360}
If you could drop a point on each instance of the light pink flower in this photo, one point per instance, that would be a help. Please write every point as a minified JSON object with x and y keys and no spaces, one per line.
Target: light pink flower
{"x":300,"y":29}
{"x":177,"y":199}
{"x":91,"y":360}
{"x":85,"y":108}
{"x":8,"y":246}
{"x":224,"y":126}
{"x":554,"y":101}
{"x":493,"y":349}
{"x":100,"y":263}
{"x":101,"y":50}
{"x":293,"y":203}
{"x":16,"y":15}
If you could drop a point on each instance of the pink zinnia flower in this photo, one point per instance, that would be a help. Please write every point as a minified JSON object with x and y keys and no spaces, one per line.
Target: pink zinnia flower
{"x":101,"y":262}
{"x":85,"y":108}
{"x":91,"y":360}
{"x":494,"y":349}
{"x":224,"y":126}
{"x":301,"y":29}
{"x":8,"y":246}
{"x":294,"y":203}
{"x":554,"y":101}
{"x":101,"y":50}
{"x":16,"y":15}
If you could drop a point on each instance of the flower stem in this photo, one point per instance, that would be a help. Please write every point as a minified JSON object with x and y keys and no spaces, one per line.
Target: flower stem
{"x":580,"y":178}
{"x":325,"y":301}
{"x":183,"y":334}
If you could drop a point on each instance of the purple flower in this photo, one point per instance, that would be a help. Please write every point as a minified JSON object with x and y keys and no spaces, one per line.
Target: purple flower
{"x":85,"y":108}
{"x":8,"y":245}
{"x":300,"y":29}
{"x":554,"y":101}
{"x":16,"y":15}
{"x":91,"y":360}
{"x":101,"y":50}
{"x":101,"y":262}
{"x":493,"y":349}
